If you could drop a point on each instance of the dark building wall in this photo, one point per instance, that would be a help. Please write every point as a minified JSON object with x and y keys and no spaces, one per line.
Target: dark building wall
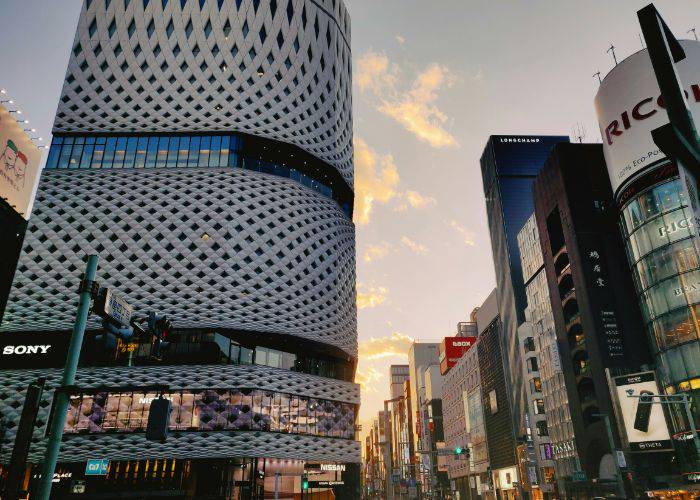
{"x":509,"y":165}
{"x":598,"y":323}
{"x":12,"y":229}
{"x":499,"y":431}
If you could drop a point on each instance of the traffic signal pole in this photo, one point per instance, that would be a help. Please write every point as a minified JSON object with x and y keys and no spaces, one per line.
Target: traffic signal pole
{"x":61,"y":397}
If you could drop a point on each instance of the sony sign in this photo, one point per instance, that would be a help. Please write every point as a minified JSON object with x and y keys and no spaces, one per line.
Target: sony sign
{"x":26,"y":349}
{"x":33,"y":350}
{"x":629,"y":107}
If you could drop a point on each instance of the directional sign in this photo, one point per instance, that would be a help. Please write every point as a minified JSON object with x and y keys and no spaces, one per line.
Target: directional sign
{"x":97,"y":467}
{"x":578,"y":475}
{"x":113,"y":307}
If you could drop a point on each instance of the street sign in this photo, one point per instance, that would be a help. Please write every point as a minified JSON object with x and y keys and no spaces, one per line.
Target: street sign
{"x":325,"y":484}
{"x":621,"y":462}
{"x":578,"y":475}
{"x":113,"y":307}
{"x":97,"y":467}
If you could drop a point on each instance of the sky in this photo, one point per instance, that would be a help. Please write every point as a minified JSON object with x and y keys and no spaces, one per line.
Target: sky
{"x":432,"y":80}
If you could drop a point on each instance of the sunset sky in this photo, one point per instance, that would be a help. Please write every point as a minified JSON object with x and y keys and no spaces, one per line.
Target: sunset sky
{"x":432,"y":80}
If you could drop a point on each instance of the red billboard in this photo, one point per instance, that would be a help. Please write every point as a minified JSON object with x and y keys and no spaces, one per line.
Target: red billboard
{"x":451,"y":349}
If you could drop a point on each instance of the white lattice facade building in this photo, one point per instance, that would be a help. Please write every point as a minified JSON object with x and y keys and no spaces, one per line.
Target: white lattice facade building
{"x":203,"y":149}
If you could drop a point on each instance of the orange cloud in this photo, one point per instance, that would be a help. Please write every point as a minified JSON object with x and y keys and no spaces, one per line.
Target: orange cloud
{"x":396,"y":344}
{"x":466,"y":235}
{"x":413,"y":246}
{"x":376,"y":180}
{"x":368,"y":297}
{"x":414,"y":108}
{"x":377,"y":252}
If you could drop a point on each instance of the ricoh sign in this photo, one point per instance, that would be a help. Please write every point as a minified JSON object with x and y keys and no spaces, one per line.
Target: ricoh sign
{"x":629,"y":106}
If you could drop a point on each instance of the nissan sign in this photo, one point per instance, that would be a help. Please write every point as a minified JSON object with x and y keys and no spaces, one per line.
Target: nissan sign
{"x":629,"y":106}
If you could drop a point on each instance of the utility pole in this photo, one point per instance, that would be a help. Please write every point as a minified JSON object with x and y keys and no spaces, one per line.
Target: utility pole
{"x":23,"y":439}
{"x":61,"y":397}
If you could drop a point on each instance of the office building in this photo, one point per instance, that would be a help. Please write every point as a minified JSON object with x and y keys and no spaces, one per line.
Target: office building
{"x":401,"y":445}
{"x":555,"y":441}
{"x":420,"y":356}
{"x":458,"y":381}
{"x":509,"y":165}
{"x":597,"y":322}
{"x":203,"y":150}
{"x":502,"y":477}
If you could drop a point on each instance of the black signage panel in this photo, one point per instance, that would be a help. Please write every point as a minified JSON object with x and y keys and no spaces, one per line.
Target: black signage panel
{"x":33,"y":350}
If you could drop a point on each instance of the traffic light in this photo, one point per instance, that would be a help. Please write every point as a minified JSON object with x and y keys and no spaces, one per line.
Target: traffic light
{"x":160,"y":327}
{"x":108,"y":339}
{"x":158,"y":419}
{"x":304,"y":482}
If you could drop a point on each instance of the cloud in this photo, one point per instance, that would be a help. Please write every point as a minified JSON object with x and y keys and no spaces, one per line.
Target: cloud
{"x":417,"y":200}
{"x":396,"y":344}
{"x":467,"y":236}
{"x":367,"y":377}
{"x":377,"y":252}
{"x":414,"y":108}
{"x":370,"y":296}
{"x":376,"y":180}
{"x":374,"y":72}
{"x":400,"y":39}
{"x":416,"y":248}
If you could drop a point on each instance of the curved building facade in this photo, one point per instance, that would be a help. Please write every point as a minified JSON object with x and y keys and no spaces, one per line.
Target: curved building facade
{"x":203,"y":150}
{"x":658,"y":223}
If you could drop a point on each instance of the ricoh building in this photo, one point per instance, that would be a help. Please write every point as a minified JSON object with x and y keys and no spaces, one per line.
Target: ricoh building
{"x":657,"y":217}
{"x":203,"y":150}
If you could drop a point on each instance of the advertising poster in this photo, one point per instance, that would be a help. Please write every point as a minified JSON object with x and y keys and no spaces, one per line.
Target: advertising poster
{"x":643,"y":417}
{"x":19,"y":164}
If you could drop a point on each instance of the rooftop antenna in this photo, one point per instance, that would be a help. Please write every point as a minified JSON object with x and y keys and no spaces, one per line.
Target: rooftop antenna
{"x":578,"y":132}
{"x":692,"y":30}
{"x":597,"y":73}
{"x":612,"y":49}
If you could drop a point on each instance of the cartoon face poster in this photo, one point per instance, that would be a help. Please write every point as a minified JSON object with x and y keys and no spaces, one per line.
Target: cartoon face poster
{"x":19,"y":164}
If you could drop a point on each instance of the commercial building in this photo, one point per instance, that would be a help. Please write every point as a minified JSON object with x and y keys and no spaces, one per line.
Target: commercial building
{"x":555,"y":439}
{"x":502,"y":476}
{"x":401,"y":443}
{"x":657,"y":202}
{"x":597,"y":322}
{"x":203,"y":149}
{"x":458,"y":381}
{"x":421,"y":355}
{"x":509,"y":165}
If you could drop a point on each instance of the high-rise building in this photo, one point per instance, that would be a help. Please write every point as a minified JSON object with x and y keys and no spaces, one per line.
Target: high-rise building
{"x":502,"y":478}
{"x":400,"y":425}
{"x":597,"y":322}
{"x":509,"y":165}
{"x":420,"y":356}
{"x":658,"y":215}
{"x":555,"y":439}
{"x":203,"y":150}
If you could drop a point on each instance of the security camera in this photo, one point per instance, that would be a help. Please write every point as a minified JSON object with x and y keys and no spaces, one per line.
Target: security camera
{"x":630,"y":392}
